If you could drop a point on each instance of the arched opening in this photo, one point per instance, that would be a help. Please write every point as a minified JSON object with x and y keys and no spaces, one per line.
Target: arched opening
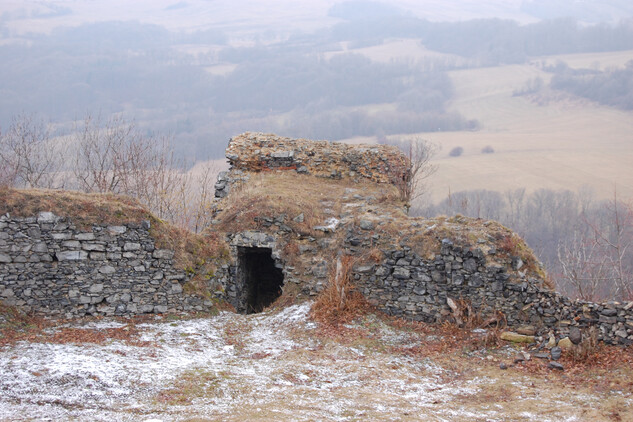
{"x":261,"y":279}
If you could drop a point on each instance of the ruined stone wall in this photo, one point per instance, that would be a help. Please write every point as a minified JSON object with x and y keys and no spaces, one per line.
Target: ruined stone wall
{"x":406,"y":285}
{"x":255,"y":152}
{"x":49,"y":266}
{"x":464,"y":263}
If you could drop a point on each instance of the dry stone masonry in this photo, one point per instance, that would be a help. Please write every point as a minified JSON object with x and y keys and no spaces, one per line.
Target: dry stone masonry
{"x":254,"y":152}
{"x":465,"y":266}
{"x":49,"y":266}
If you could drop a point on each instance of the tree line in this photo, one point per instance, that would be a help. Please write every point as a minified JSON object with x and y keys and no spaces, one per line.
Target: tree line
{"x":612,"y":87}
{"x":107,"y":156}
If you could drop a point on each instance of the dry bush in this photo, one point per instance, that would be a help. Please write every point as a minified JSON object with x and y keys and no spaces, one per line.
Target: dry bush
{"x":465,"y":317}
{"x":417,"y":169}
{"x":339,"y":302}
{"x":29,"y":156}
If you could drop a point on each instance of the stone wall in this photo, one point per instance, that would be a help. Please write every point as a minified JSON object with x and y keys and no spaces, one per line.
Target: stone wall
{"x":49,"y":266}
{"x":406,"y":285}
{"x":464,"y":260}
{"x":254,"y":152}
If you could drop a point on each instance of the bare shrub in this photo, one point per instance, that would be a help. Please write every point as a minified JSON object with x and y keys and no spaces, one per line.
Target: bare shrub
{"x":339,"y":302}
{"x":419,"y":153}
{"x":597,"y":261}
{"x":29,"y":158}
{"x":115,"y":156}
{"x":487,"y":150}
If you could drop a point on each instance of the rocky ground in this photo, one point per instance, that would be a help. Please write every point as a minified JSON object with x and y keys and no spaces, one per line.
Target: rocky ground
{"x":281,"y":365}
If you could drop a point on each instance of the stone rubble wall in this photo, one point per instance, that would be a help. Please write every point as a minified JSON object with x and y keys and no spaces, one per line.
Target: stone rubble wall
{"x":406,"y":285}
{"x":255,"y":152}
{"x":48,"y":266}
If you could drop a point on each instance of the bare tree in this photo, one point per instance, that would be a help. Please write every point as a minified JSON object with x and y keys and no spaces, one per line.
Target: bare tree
{"x":616,"y":239}
{"x":114,"y":156}
{"x":28,"y":156}
{"x":584,"y":269}
{"x":107,"y":154}
{"x":597,"y":262}
{"x":419,"y":168}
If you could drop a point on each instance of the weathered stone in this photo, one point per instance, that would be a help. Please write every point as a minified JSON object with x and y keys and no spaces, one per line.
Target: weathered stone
{"x":131,"y":246}
{"x":526,"y":330}
{"x":366,"y":225}
{"x":163,"y":254}
{"x":93,"y":247}
{"x":96,"y":288}
{"x":115,"y":230}
{"x":46,"y":217}
{"x":4,"y":258}
{"x":516,"y":338}
{"x":565,"y":343}
{"x":107,"y":269}
{"x":85,"y":236}
{"x":575,"y":336}
{"x":556,"y":352}
{"x":71,"y":255}
{"x":401,"y":273}
{"x":555,"y":365}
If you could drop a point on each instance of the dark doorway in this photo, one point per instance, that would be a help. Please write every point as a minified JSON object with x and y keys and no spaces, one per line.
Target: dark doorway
{"x":261,"y":280}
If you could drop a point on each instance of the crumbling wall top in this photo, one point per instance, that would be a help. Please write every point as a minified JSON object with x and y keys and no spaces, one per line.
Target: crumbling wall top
{"x":255,"y":152}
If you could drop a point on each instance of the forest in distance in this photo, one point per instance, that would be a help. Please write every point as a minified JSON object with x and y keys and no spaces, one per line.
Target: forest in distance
{"x":305,"y":85}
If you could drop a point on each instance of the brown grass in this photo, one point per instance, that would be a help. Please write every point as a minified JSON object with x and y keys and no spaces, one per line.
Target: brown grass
{"x":85,"y":209}
{"x":339,"y":302}
{"x":271,"y":194}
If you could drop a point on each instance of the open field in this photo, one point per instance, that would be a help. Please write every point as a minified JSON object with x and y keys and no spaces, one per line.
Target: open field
{"x":545,"y":140}
{"x":280,"y":365}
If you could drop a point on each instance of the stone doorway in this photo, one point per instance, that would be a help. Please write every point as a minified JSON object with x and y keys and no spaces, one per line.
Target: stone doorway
{"x":260,"y":278}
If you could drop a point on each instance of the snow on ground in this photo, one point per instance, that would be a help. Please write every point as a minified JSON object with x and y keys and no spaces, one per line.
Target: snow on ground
{"x":269,"y":366}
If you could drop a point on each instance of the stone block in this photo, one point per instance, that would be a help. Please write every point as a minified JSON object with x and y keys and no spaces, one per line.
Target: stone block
{"x":116,"y":230}
{"x":46,"y":217}
{"x":5,"y":259}
{"x":93,"y":247}
{"x":96,"y":288}
{"x":40,"y":247}
{"x":131,"y":246}
{"x":97,"y":256}
{"x":72,"y":244}
{"x":163,"y":254}
{"x":71,"y":255}
{"x":61,"y":235}
{"x":107,"y":269}
{"x":516,"y":338}
{"x":87,"y":236}
{"x":401,"y":273}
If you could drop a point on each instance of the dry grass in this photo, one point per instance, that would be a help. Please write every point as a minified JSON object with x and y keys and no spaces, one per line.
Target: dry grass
{"x":85,"y":209}
{"x":339,"y":302}
{"x":271,"y":194}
